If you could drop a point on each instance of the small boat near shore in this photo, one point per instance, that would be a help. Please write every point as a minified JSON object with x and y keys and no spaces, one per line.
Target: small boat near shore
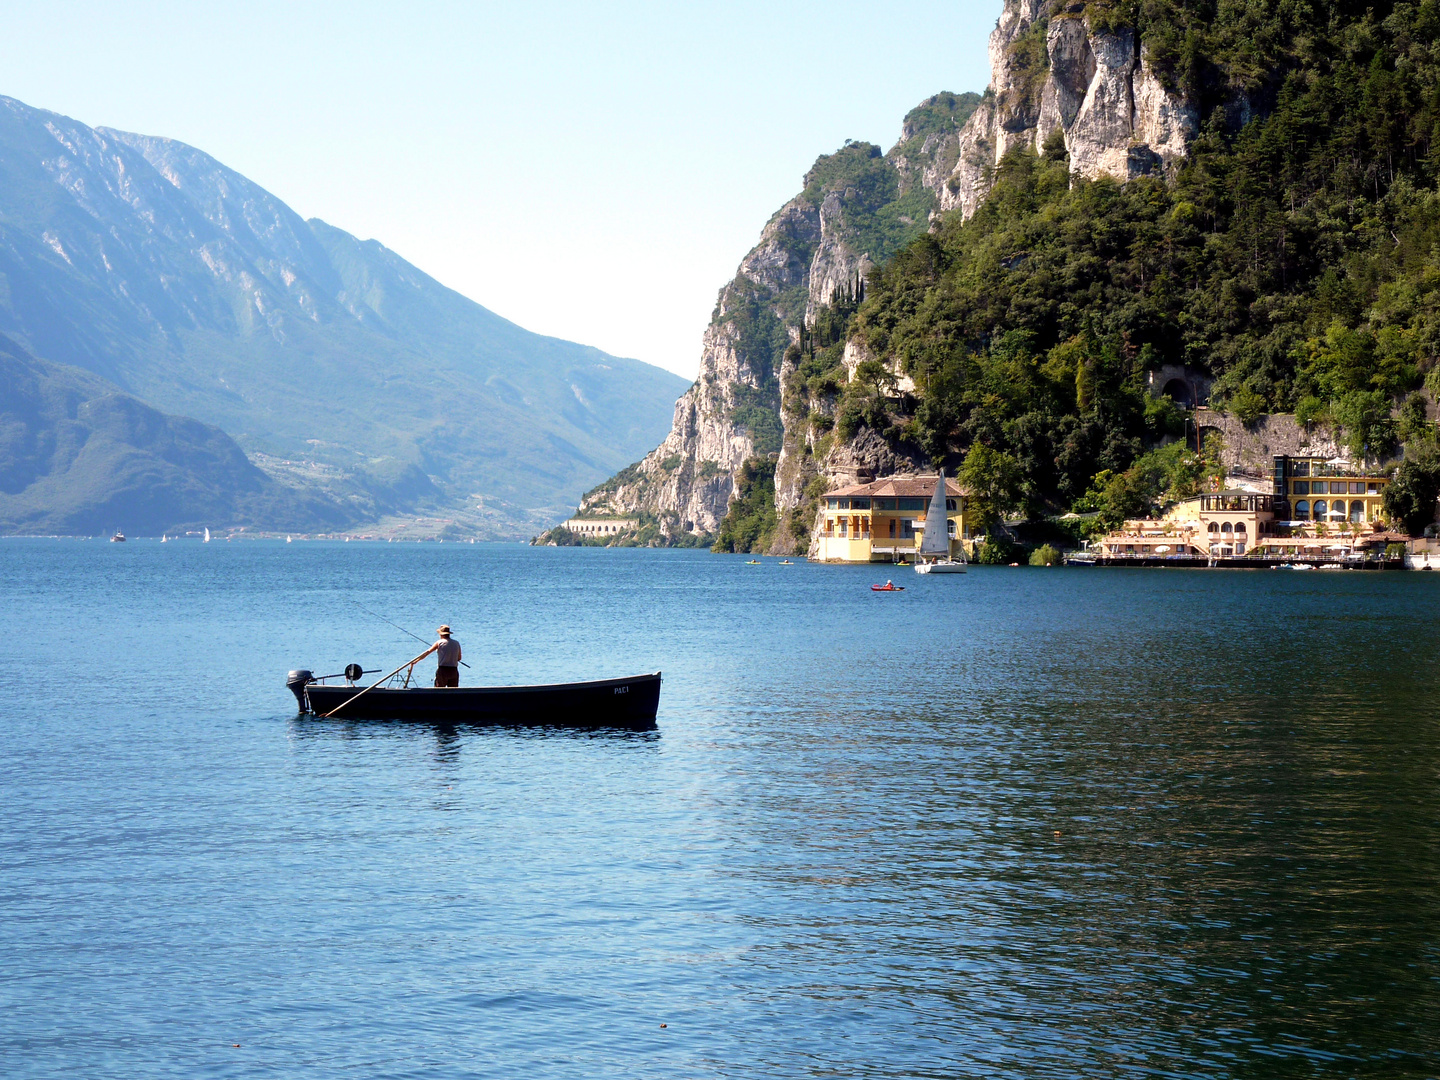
{"x":629,"y":702}
{"x":889,"y":586}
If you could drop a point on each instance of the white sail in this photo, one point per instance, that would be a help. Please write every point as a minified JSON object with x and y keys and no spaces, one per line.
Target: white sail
{"x":936,"y":540}
{"x":207,"y":536}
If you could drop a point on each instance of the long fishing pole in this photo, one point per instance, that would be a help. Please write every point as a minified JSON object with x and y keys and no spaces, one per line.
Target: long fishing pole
{"x":397,"y":626}
{"x":377,"y":682}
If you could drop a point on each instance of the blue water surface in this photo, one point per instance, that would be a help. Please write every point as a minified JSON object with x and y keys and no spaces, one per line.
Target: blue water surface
{"x":1020,"y":823}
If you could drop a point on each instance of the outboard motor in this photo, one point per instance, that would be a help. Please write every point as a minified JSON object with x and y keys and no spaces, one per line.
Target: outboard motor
{"x":297,"y":681}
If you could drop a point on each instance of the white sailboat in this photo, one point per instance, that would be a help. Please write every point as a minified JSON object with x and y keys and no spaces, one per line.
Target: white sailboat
{"x":287,"y":539}
{"x":164,"y":539}
{"x":207,"y":536}
{"x":934,"y":554}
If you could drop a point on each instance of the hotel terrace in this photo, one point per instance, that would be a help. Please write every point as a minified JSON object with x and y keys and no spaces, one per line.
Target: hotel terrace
{"x":1318,"y":509}
{"x":884,"y":521}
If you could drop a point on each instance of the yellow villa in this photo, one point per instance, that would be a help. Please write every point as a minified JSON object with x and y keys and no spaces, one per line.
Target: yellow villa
{"x":884,"y":521}
{"x":1328,"y":492}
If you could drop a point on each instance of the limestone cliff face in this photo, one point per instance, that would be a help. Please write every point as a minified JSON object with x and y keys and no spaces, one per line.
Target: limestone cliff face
{"x":858,"y":207}
{"x":1095,"y":87}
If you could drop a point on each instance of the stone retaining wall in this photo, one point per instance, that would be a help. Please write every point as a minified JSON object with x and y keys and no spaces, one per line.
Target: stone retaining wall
{"x":1251,"y":448}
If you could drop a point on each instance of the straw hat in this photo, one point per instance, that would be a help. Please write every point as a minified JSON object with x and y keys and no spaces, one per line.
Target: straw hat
{"x":444,"y":631}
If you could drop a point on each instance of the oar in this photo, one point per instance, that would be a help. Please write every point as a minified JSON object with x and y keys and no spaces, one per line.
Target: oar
{"x":397,"y":626}
{"x":332,"y":712}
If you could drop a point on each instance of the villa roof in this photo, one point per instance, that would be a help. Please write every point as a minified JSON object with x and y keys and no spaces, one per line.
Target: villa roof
{"x":904,"y":487}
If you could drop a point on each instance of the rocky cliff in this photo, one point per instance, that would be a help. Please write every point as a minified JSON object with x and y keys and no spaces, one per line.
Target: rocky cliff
{"x":1053,"y":75}
{"x":778,"y":379}
{"x":858,"y":207}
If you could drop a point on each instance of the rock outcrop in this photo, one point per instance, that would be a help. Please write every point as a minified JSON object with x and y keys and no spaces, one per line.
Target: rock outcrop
{"x":1096,"y":88}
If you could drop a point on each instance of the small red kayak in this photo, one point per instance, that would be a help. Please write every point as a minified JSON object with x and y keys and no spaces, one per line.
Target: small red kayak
{"x":887,"y":587}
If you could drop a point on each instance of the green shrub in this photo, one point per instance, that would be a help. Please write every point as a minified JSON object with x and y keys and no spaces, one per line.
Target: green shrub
{"x":1045,"y":555}
{"x":1311,"y":410}
{"x":996,"y":551}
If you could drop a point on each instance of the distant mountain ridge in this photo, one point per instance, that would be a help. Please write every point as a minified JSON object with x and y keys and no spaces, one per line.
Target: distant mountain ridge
{"x":153,"y":265}
{"x":77,"y":455}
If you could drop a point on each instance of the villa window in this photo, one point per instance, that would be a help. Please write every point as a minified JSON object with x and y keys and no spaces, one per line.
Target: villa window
{"x":892,"y":528}
{"x":1302,"y":510}
{"x":950,"y":529}
{"x":1357,"y":489}
{"x":1321,"y":509}
{"x":1302,"y":487}
{"x":1240,"y":527}
{"x":1227,"y":527}
{"x":1372,"y":488}
{"x":1357,"y":510}
{"x":907,"y":528}
{"x":1214,"y":527}
{"x":949,"y":504}
{"x":1300,"y":468}
{"x":841,"y":529}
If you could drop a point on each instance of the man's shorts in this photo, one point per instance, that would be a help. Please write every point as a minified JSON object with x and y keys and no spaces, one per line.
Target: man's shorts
{"x":447,"y":676}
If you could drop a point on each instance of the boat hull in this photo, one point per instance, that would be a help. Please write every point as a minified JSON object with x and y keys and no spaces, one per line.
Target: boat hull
{"x":630,"y":702}
{"x":940,"y":568}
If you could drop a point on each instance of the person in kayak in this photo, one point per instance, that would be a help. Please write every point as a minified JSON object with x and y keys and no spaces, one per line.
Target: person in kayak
{"x":447,"y":658}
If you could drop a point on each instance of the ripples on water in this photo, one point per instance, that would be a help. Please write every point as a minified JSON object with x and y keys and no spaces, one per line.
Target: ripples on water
{"x":1024,"y":823}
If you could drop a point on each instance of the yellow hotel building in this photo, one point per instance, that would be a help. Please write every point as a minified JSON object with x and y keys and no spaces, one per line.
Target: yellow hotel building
{"x":884,"y":521}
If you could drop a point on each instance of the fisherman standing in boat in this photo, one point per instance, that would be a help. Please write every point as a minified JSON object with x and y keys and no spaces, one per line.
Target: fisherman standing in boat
{"x":447,"y":658}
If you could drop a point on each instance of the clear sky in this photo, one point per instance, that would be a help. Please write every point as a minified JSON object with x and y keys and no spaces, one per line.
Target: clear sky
{"x":593,"y":171}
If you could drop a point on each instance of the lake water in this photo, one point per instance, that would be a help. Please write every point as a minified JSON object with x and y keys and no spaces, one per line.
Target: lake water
{"x":1020,"y":823}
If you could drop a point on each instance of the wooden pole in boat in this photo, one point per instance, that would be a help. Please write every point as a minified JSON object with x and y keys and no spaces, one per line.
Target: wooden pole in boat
{"x":332,"y":712}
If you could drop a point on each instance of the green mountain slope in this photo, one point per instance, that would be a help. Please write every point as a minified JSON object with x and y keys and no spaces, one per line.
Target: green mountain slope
{"x":151,"y":264}
{"x":79,"y":456}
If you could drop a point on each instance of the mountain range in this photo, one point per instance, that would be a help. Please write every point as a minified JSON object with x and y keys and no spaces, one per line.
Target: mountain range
{"x":140,"y":269}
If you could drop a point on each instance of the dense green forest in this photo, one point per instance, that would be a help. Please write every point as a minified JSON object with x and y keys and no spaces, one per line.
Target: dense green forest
{"x":1295,"y":256}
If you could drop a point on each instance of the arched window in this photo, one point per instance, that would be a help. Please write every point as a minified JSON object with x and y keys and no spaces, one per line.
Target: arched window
{"x":1227,"y":528}
{"x":1214,"y":527}
{"x":1357,"y":510}
{"x":1239,"y":526}
{"x":950,"y":528}
{"x":1302,"y":510}
{"x":1321,"y":509}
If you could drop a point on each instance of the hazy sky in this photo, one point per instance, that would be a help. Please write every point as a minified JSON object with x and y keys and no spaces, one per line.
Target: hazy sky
{"x":593,"y":171}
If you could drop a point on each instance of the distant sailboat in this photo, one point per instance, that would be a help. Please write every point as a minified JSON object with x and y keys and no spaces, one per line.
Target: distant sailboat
{"x":287,"y":539}
{"x":164,"y":539}
{"x":935,"y":545}
{"x":207,"y":536}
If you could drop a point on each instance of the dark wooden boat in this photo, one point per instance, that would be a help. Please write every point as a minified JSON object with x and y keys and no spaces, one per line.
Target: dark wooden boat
{"x":628,"y":702}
